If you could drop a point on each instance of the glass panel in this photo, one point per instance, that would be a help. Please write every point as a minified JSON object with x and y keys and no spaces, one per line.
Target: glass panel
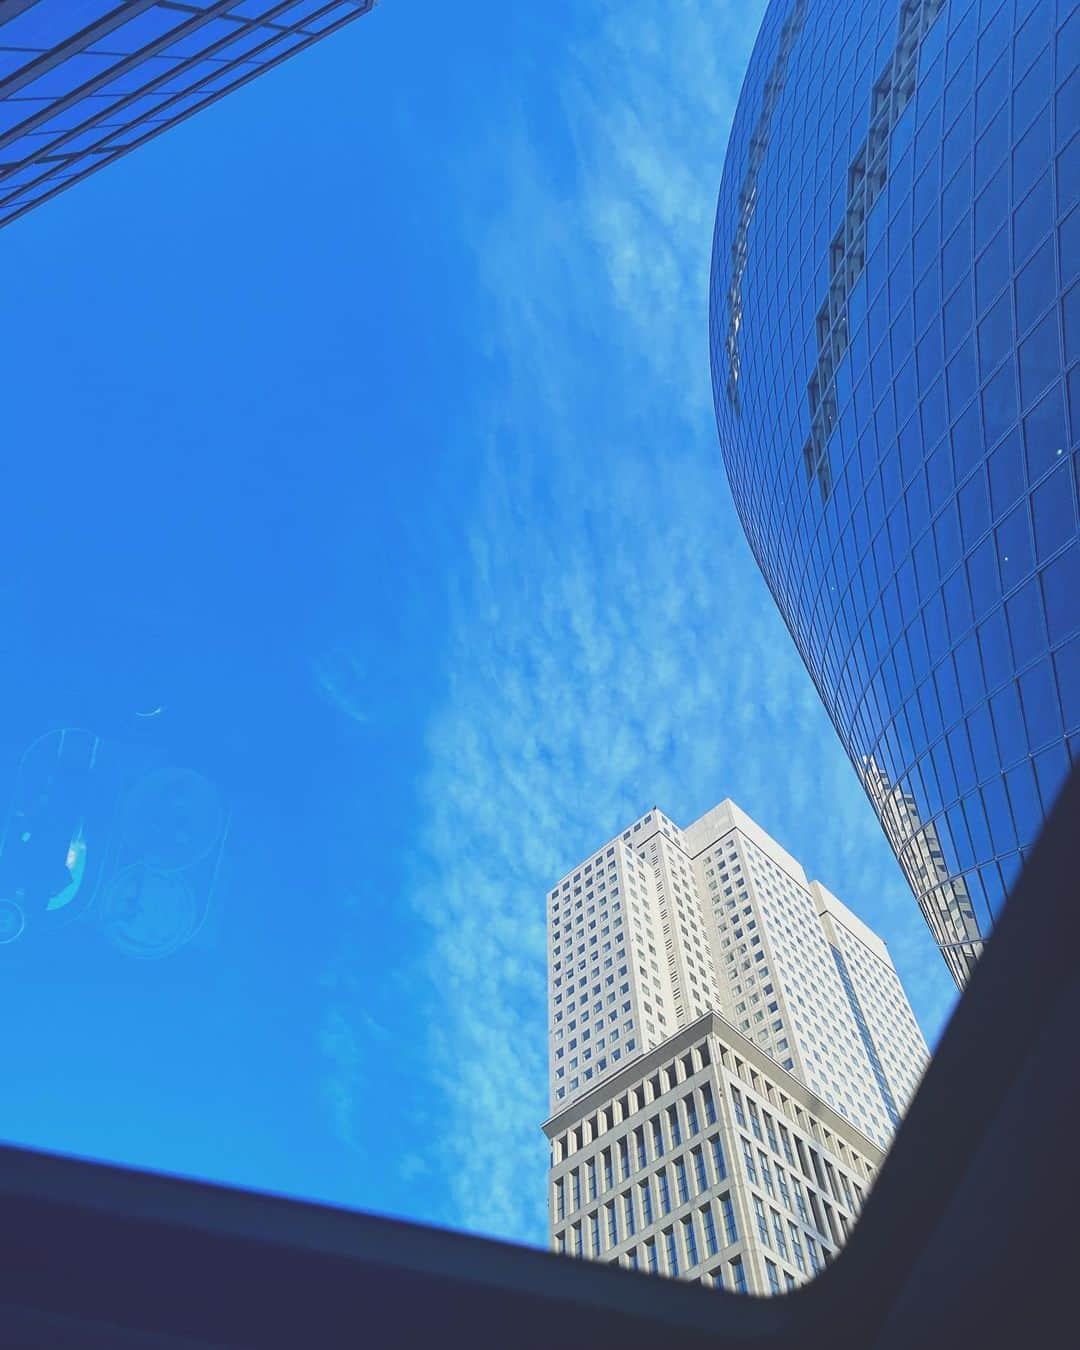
{"x":1052,"y":507}
{"x":1044,"y":434}
{"x":1040,"y":359}
{"x":995,"y":335}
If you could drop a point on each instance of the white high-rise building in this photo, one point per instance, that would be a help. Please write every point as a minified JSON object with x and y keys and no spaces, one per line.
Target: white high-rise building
{"x":715,"y":933}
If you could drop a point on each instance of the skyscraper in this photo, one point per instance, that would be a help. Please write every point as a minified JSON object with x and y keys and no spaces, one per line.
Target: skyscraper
{"x":715,"y":1019}
{"x":894,"y":332}
{"x":83,"y":82}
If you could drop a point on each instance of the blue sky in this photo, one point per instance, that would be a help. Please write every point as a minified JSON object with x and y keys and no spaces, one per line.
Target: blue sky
{"x":363,"y":424}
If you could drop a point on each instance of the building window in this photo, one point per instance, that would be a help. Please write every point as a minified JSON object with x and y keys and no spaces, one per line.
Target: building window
{"x":773,"y":1276}
{"x":847,"y":1193}
{"x":560,"y":1199}
{"x":800,"y":1200}
{"x":651,"y":1261}
{"x":731,"y":1228}
{"x":658,"y":1138}
{"x":740,"y":1114}
{"x":646,"y":1202}
{"x":719,"y":1165}
{"x":628,"y":1214}
{"x":708,"y":1224}
{"x":594,"y":1232}
{"x":613,"y":1226}
{"x":700,"y":1175}
{"x":624,"y":1159}
{"x":579,"y":1249}
{"x":762,"y":1222}
{"x":771,"y":1133}
{"x":690,"y":1240}
{"x":796,"y":1248}
{"x":691,"y":1114}
{"x":674,"y":1126}
{"x":665,"y":1192}
{"x":738,"y":1274}
{"x":778,"y":1233}
{"x":710,"y":1104}
{"x":748,"y":1161}
{"x":681,"y":1187}
{"x":672,"y":1249}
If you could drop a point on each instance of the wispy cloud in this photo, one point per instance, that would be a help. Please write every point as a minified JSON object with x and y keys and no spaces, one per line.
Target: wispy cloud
{"x":340,"y":679}
{"x":612,"y":643}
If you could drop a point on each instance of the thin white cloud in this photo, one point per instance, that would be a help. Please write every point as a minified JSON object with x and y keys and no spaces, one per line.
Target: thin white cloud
{"x":612,"y":643}
{"x":340,"y":680}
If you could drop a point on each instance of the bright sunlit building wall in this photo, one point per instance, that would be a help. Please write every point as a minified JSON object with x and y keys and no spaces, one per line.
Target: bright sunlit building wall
{"x":730,"y":1051}
{"x":894,"y":333}
{"x":662,"y":925}
{"x":702,"y":1159}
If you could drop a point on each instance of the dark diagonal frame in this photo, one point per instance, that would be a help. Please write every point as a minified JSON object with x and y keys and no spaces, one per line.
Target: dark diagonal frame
{"x":960,"y":1241}
{"x":97,"y":154}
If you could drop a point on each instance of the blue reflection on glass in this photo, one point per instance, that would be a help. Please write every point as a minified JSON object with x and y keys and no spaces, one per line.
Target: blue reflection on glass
{"x":962,"y":522}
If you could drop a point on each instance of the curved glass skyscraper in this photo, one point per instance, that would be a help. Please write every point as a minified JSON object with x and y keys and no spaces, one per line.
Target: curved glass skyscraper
{"x":894,"y":332}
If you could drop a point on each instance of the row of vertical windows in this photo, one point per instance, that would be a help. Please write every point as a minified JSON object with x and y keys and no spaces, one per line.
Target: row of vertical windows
{"x":599,"y":1231}
{"x":829,"y":1179}
{"x":701,"y":1102}
{"x":598,"y":1173}
{"x":637,"y":1099}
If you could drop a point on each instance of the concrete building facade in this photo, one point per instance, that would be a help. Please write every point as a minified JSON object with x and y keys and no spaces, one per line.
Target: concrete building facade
{"x":709,"y":1005}
{"x":702,"y":1160}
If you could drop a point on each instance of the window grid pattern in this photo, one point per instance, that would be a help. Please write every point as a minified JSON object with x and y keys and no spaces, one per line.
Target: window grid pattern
{"x":684,"y":1207}
{"x":661,"y":924}
{"x":82,"y":84}
{"x":847,"y":252}
{"x":932,"y":595}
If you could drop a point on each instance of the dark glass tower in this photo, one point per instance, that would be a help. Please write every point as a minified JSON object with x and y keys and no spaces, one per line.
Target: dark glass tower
{"x":894,"y":331}
{"x":82,"y":82}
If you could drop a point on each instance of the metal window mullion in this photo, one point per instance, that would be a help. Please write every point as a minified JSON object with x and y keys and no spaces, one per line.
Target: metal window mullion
{"x":97,"y":82}
{"x":142,"y":92}
{"x":72,"y":46}
{"x":347,"y":17}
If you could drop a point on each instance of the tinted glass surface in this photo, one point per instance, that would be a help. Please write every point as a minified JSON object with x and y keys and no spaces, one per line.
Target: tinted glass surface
{"x":83,"y":82}
{"x":894,"y":341}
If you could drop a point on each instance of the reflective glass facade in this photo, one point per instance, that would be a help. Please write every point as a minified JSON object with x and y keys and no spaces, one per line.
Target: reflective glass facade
{"x":82,"y":82}
{"x":894,"y":332}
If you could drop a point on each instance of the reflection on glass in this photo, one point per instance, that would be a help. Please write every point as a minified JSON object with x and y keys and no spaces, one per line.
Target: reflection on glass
{"x":82,"y":84}
{"x":93,"y":832}
{"x":936,"y":431}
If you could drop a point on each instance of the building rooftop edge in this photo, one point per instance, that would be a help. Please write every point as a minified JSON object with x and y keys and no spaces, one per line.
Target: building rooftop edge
{"x":709,"y":1022}
{"x":827,"y":903}
{"x":692,"y":842}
